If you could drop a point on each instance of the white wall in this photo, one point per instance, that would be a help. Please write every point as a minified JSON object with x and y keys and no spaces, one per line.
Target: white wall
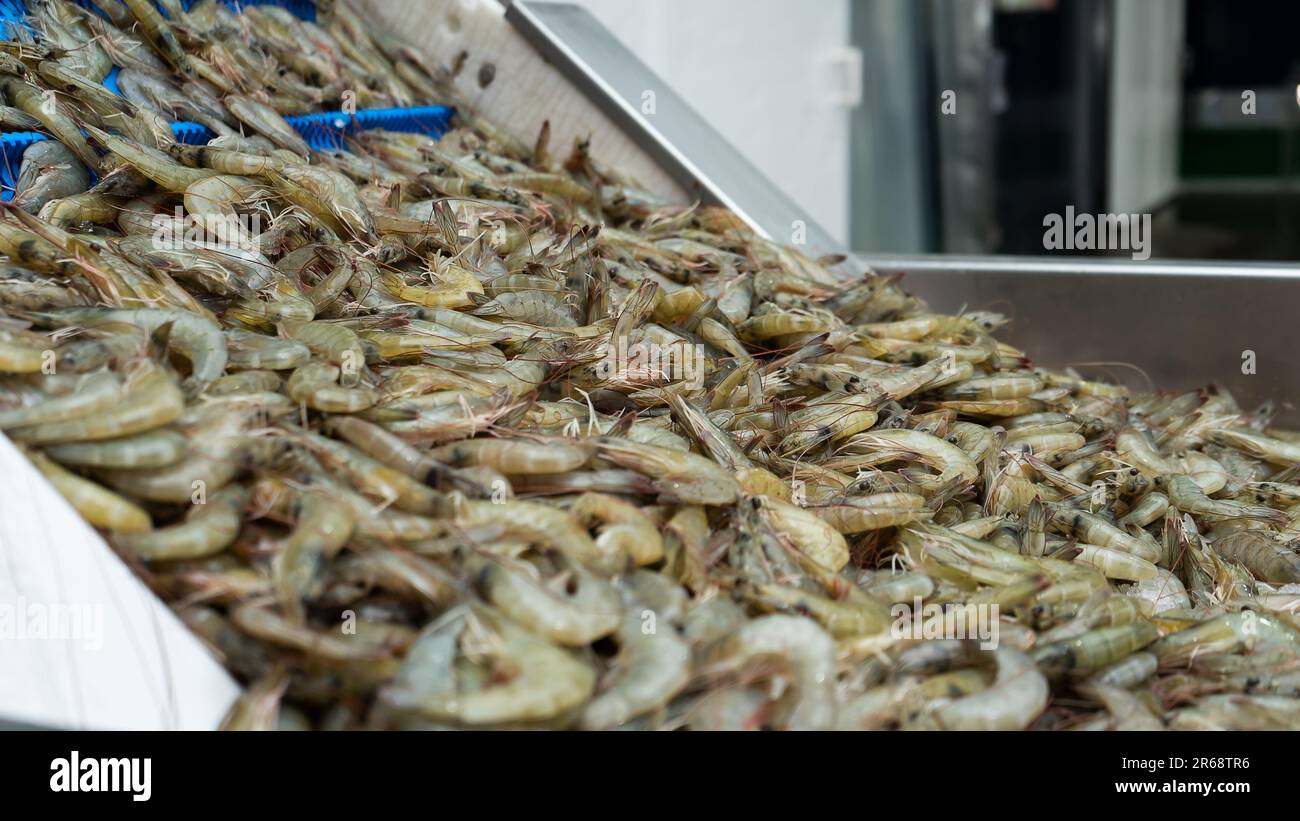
{"x":762,"y":73}
{"x":1146,"y":102}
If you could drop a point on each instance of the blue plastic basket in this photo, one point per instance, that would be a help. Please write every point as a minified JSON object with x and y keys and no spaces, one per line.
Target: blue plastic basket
{"x":328,"y":131}
{"x":324,"y":131}
{"x":12,"y":147}
{"x":13,"y":14}
{"x":13,"y":144}
{"x":303,"y":9}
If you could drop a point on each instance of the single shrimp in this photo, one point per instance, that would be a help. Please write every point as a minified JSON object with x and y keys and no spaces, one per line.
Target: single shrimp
{"x":1128,"y":672}
{"x":1116,"y":564}
{"x":316,"y":385}
{"x":97,"y":505}
{"x":856,"y":514}
{"x":1185,"y":495}
{"x":1150,"y":507}
{"x":1258,"y":445}
{"x":1127,"y":711}
{"x":572,"y":608}
{"x":151,"y":449}
{"x":518,"y":456}
{"x":804,"y":649}
{"x":1096,"y":648}
{"x":544,"y":525}
{"x":622,"y":527}
{"x":1227,"y":633}
{"x":321,"y":529}
{"x":265,"y":624}
{"x":812,"y":535}
{"x":544,"y":680}
{"x":652,"y":666}
{"x":677,"y":476}
{"x":1093,"y":529}
{"x":950,"y":461}
{"x":1016,"y":697}
{"x":258,"y":707}
{"x":207,"y":530}
{"x":1266,"y":558}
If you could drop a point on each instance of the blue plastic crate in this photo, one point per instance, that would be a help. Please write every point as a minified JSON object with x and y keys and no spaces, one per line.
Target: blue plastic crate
{"x":13,"y":15}
{"x":191,"y":133}
{"x":304,"y":9}
{"x":328,"y":131}
{"x":12,"y":146}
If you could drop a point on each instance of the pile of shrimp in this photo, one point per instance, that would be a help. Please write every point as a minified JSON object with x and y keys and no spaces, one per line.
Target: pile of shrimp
{"x":474,"y":436}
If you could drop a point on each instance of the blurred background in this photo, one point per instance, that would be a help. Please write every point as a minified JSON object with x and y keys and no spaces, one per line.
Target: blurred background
{"x":1115,"y":107}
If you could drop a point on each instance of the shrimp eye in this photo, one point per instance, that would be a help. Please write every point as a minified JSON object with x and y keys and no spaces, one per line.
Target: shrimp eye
{"x":1132,"y":471}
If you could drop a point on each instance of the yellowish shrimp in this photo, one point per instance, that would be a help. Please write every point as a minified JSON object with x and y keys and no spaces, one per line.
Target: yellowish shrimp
{"x":97,"y":505}
{"x":811,"y":535}
{"x":453,"y":289}
{"x":1150,"y":507}
{"x":371,"y":477}
{"x":622,"y":527}
{"x":856,"y":615}
{"x":545,"y":681}
{"x":543,"y":525}
{"x":154,"y":164}
{"x":1116,"y":564}
{"x":1096,"y":648}
{"x":993,"y":407}
{"x":678,"y":476}
{"x":1002,"y":386}
{"x":152,"y":400}
{"x":856,"y":514}
{"x":1188,"y":497}
{"x":653,"y":667}
{"x":151,"y":449}
{"x":515,"y":455}
{"x":573,"y":608}
{"x":337,"y":343}
{"x":316,"y":385}
{"x":877,"y":447}
{"x":1093,"y":529}
{"x":1263,"y":556}
{"x":207,"y":530}
{"x":830,"y":417}
{"x":804,"y":649}
{"x":1016,"y":697}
